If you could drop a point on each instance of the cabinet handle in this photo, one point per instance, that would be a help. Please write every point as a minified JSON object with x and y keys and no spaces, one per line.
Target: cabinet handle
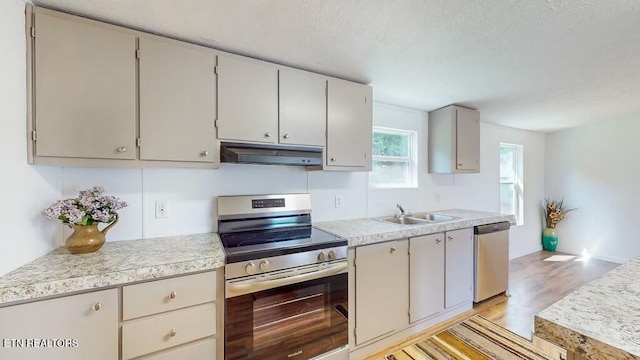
{"x":286,"y":136}
{"x":333,"y":159}
{"x":267,"y":135}
{"x":449,"y":238}
{"x":392,"y":250}
{"x":204,"y":153}
{"x":122,"y":149}
{"x":438,"y":241}
{"x":173,"y":295}
{"x":173,"y":333}
{"x":97,"y":306}
{"x":460,"y":164}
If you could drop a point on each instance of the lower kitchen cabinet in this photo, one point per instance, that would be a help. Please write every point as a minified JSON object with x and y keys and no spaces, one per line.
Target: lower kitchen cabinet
{"x":382,"y":289}
{"x":165,"y":314}
{"x":204,"y":349}
{"x":458,"y":267}
{"x":147,"y":335}
{"x":173,"y":318}
{"x":426,"y":276}
{"x":77,"y":327}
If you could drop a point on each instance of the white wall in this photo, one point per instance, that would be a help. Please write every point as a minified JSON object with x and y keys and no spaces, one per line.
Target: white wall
{"x":596,"y":169}
{"x":25,"y":190}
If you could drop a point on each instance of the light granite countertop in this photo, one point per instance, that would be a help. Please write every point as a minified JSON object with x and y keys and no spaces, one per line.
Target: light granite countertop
{"x":600,"y":320}
{"x":122,"y":262}
{"x":371,"y":231}
{"x":116,"y":263}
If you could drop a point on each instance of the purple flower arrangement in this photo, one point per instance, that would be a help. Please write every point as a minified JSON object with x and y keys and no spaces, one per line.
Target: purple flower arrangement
{"x":89,"y":207}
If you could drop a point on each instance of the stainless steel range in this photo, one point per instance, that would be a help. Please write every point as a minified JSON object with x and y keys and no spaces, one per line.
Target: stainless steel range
{"x":285,"y":281}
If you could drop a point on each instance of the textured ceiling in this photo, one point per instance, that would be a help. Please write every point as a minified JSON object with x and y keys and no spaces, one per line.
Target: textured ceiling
{"x":536,"y":64}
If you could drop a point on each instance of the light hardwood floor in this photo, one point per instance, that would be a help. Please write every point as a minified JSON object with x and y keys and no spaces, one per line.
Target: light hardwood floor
{"x":534,"y":284}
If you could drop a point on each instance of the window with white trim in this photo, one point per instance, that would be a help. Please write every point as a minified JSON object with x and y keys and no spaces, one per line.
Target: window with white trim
{"x":394,"y":160}
{"x":511,"y":181}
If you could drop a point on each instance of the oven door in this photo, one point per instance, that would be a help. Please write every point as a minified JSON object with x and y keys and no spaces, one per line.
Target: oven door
{"x":298,"y":320}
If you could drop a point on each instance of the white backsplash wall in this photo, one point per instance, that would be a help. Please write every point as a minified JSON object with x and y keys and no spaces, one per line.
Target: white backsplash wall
{"x":26,"y":190}
{"x":191,"y":193}
{"x":595,"y":168}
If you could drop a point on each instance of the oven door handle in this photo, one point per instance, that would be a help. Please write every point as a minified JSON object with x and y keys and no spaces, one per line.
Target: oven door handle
{"x":251,"y":286}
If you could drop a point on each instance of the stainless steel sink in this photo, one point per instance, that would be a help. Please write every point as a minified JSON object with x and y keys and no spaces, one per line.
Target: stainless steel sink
{"x":406,"y":220}
{"x":432,"y":217}
{"x":418,"y":219}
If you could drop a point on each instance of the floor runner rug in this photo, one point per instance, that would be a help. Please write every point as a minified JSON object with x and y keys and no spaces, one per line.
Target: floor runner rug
{"x":474,"y":338}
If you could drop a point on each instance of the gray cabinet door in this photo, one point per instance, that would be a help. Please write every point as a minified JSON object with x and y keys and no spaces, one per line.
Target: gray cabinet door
{"x":177,"y":102}
{"x":303,"y":108}
{"x":468,"y":139}
{"x":458,"y":267}
{"x":426,"y":276}
{"x":381,"y":289}
{"x":247,"y":100}
{"x":85,"y":89}
{"x":91,"y":319}
{"x":349,"y":124}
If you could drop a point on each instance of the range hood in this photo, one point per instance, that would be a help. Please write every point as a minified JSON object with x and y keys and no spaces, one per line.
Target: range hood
{"x":242,"y":153}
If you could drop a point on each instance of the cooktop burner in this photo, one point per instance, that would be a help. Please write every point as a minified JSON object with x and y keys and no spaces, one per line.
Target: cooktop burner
{"x":261,"y":244}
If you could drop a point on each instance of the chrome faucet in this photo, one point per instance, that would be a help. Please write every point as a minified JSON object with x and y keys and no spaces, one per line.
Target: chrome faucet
{"x":401,"y":210}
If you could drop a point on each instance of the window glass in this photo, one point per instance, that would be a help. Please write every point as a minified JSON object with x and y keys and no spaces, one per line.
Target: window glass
{"x":511,"y":184}
{"x":394,"y":162}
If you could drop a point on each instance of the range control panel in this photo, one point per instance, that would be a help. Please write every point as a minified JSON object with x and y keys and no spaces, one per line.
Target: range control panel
{"x":267,"y":203}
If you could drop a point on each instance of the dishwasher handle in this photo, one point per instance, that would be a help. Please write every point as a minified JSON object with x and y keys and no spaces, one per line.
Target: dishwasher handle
{"x":490,"y":228}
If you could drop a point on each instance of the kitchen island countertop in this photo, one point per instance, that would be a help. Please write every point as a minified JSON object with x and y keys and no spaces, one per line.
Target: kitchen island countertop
{"x":372,"y":230}
{"x":600,"y":320}
{"x":116,"y":263}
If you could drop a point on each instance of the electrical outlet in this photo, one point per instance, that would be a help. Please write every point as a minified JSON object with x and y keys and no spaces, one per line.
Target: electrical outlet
{"x":162,"y":209}
{"x":338,"y":201}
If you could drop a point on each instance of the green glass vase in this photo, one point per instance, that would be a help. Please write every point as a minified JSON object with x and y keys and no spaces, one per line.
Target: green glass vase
{"x":549,"y":239}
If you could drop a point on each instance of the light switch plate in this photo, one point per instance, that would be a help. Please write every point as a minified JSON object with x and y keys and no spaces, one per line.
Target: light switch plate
{"x":162,"y":209}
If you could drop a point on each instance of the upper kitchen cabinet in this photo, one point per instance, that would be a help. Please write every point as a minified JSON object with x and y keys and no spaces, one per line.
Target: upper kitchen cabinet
{"x":177,"y":101}
{"x":84,"y":89}
{"x":303,"y":108}
{"x":349,"y":126}
{"x":247,"y":100}
{"x":454,"y":140}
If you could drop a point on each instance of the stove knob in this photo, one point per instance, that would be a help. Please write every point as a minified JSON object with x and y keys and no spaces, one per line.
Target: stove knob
{"x":264,"y":265}
{"x":332,"y":255}
{"x":321,"y":256}
{"x":250,"y":268}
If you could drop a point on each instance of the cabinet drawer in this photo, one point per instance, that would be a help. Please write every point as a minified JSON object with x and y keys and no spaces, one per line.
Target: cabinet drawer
{"x":165,"y":295}
{"x":205,"y":349}
{"x":163,"y":331}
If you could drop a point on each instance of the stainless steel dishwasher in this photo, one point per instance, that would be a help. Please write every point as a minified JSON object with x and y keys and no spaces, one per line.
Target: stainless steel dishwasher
{"x":491,"y":260}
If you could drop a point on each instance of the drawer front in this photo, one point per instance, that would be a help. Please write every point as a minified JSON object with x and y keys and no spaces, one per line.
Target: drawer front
{"x":165,"y":295}
{"x":86,"y":323}
{"x":201,"y":350}
{"x":144,"y":336}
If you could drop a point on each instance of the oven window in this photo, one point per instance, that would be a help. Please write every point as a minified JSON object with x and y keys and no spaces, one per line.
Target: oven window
{"x":297,"y":321}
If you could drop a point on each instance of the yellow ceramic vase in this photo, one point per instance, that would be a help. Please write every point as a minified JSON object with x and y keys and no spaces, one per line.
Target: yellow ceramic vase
{"x":87,"y":238}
